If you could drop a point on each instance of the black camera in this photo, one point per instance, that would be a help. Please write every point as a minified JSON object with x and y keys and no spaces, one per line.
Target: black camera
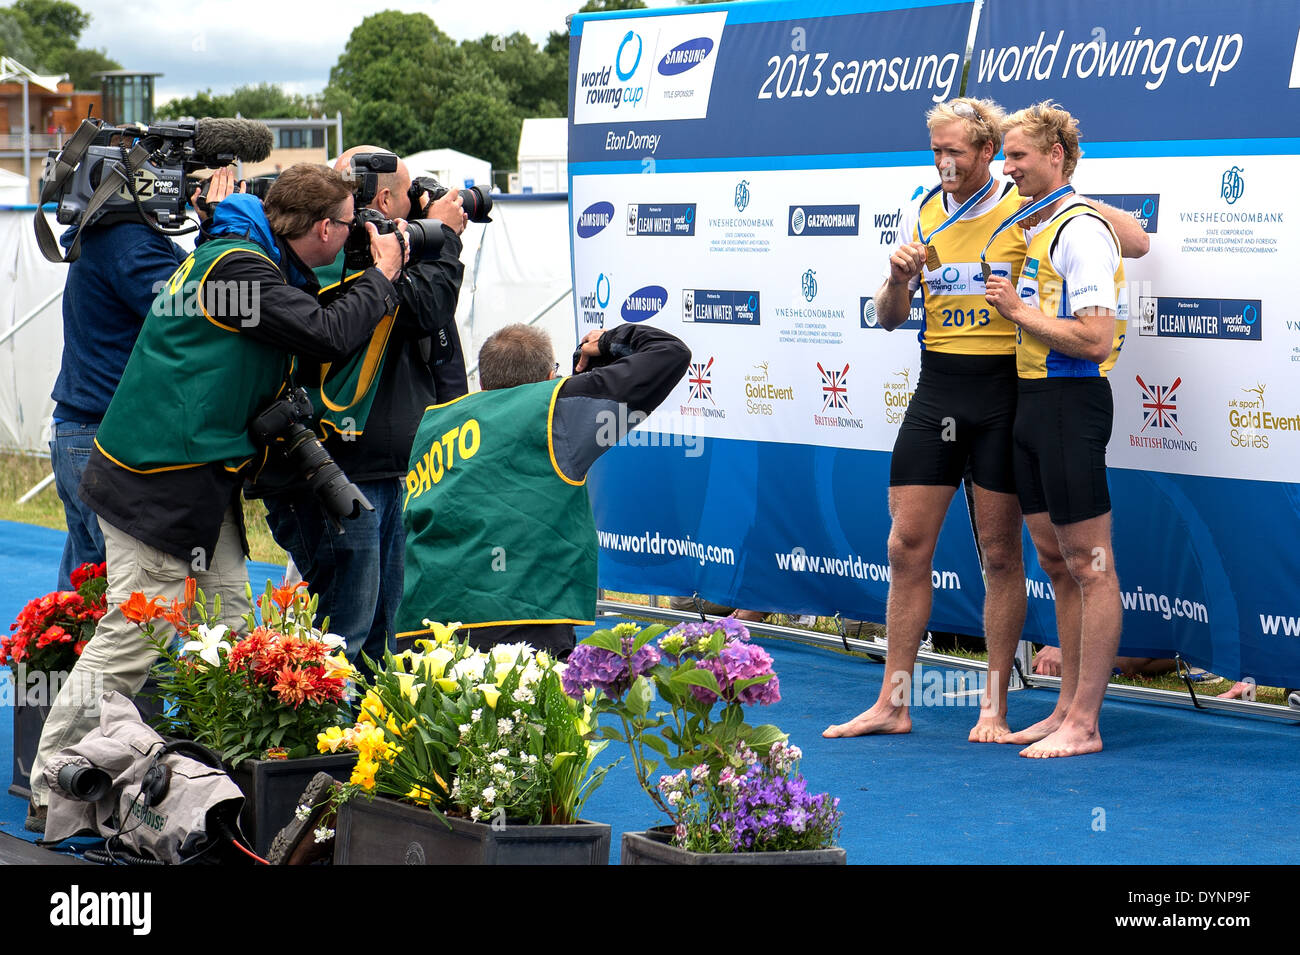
{"x":284,"y":423}
{"x":110,"y":173}
{"x":424,"y":238}
{"x":476,"y":203}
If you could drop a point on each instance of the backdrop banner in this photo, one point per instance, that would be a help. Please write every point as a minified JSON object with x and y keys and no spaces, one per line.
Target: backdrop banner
{"x":738,"y":174}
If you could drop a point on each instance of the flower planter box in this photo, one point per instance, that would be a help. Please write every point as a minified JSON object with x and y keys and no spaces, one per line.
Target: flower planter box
{"x":29,"y":720}
{"x":271,"y":788}
{"x":389,"y":832}
{"x":654,"y":847}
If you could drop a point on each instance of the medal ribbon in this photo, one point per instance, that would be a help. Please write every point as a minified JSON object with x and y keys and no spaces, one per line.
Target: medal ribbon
{"x":964,"y":208}
{"x":1025,"y":212}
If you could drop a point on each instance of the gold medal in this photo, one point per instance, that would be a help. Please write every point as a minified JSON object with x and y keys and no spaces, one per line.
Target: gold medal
{"x":932,"y":258}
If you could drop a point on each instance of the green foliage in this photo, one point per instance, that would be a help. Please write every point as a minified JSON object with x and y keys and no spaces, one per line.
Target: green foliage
{"x":81,"y":65}
{"x":601,"y":6}
{"x":12,"y":41}
{"x":260,"y":101}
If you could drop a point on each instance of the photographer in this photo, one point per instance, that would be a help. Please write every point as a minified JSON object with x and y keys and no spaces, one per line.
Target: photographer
{"x":174,"y":446}
{"x":358,"y":574}
{"x":503,"y":539}
{"x":107,"y":294}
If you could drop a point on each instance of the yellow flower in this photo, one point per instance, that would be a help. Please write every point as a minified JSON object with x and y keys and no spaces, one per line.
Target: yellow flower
{"x":330,"y":740}
{"x":434,"y":663}
{"x":338,"y":666}
{"x":372,"y":709}
{"x":363,"y":774}
{"x":490,"y":692}
{"x":442,"y":632}
{"x":373,"y":745}
{"x":447,"y":684}
{"x":410,"y":689}
{"x":420,"y":794}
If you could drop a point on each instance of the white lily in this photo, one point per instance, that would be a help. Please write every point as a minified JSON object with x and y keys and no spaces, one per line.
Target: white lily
{"x":209,"y":644}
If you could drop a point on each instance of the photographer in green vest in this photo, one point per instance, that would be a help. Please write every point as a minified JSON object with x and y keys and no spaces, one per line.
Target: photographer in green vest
{"x":499,"y":532}
{"x":216,"y":348}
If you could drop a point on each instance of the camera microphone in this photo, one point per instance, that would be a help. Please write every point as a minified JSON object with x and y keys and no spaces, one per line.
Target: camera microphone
{"x":247,"y":139}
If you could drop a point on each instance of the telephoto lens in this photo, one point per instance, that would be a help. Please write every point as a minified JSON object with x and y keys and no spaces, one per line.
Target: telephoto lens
{"x":84,"y":782}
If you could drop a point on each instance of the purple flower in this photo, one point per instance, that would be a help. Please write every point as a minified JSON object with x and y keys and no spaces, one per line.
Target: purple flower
{"x":740,"y":661}
{"x":605,"y":670}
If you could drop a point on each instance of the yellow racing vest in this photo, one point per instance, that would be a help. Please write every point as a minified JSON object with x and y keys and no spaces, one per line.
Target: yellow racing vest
{"x":958,"y":320}
{"x":1043,"y":287}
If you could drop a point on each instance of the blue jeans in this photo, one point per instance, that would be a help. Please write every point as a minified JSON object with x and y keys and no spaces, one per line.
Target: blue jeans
{"x":357,"y":574}
{"x":69,"y":454}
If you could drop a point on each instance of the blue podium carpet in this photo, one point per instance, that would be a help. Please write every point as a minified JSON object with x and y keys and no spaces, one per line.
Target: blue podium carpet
{"x":1171,"y":787}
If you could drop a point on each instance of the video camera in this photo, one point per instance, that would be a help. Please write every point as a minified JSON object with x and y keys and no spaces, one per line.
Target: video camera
{"x":425,"y":238}
{"x":113,"y":173}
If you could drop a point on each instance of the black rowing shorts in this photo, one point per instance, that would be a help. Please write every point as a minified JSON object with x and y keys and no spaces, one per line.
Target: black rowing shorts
{"x":963,"y":411}
{"x":1062,"y":426}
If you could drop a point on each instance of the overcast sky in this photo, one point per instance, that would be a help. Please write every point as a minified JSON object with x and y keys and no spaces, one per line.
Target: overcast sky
{"x":222,"y":44}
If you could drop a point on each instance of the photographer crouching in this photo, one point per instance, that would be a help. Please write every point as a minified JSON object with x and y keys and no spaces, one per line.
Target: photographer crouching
{"x":370,"y":419}
{"x":215,"y":350}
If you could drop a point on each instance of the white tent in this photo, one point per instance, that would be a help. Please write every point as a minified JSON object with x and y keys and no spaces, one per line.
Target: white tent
{"x":515,"y":267}
{"x":450,"y":167}
{"x":544,"y":155}
{"x":13,"y":189}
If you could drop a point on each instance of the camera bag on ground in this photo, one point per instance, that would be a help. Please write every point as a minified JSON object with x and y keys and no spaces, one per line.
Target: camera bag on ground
{"x":166,"y":801}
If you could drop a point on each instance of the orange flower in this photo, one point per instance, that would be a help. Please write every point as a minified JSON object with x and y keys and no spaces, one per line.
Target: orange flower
{"x":283,"y":596}
{"x":138,"y":610}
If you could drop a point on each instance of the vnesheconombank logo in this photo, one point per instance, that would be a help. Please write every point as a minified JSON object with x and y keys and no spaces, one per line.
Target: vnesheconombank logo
{"x":644,"y":303}
{"x":594,"y":218}
{"x":823,"y":220}
{"x":685,"y":56}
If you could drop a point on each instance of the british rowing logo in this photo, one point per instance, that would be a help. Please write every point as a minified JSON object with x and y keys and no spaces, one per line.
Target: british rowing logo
{"x":1159,"y":407}
{"x":700,"y":380}
{"x":835,"y":389}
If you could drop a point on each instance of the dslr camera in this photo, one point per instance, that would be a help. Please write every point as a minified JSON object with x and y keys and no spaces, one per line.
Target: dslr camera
{"x":285,"y":423}
{"x":425,"y":238}
{"x":476,"y":203}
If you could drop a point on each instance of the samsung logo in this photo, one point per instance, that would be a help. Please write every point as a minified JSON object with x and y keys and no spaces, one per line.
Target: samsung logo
{"x":644,"y":303}
{"x":686,"y":56}
{"x":594,"y":218}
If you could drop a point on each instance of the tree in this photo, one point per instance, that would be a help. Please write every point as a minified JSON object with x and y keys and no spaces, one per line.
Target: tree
{"x":480,"y":125}
{"x":51,"y":27}
{"x":601,"y":6}
{"x":535,"y":84}
{"x":81,"y":65}
{"x":12,"y":42}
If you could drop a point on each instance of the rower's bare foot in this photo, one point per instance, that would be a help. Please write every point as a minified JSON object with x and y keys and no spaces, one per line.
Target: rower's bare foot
{"x":990,"y":728}
{"x":1032,"y":734}
{"x":877,"y":720}
{"x":1066,"y":741}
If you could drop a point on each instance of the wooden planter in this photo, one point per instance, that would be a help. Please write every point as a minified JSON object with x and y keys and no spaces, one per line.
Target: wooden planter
{"x":30,"y":720}
{"x":654,"y":847}
{"x":386,"y":831}
{"x":271,"y":788}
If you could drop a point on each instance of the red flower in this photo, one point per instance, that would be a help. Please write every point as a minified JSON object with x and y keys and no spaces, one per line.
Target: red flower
{"x":138,"y":610}
{"x":292,"y":686}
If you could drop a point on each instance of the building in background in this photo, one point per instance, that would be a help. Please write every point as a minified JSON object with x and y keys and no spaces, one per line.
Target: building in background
{"x":543,"y":157}
{"x":53,"y":111}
